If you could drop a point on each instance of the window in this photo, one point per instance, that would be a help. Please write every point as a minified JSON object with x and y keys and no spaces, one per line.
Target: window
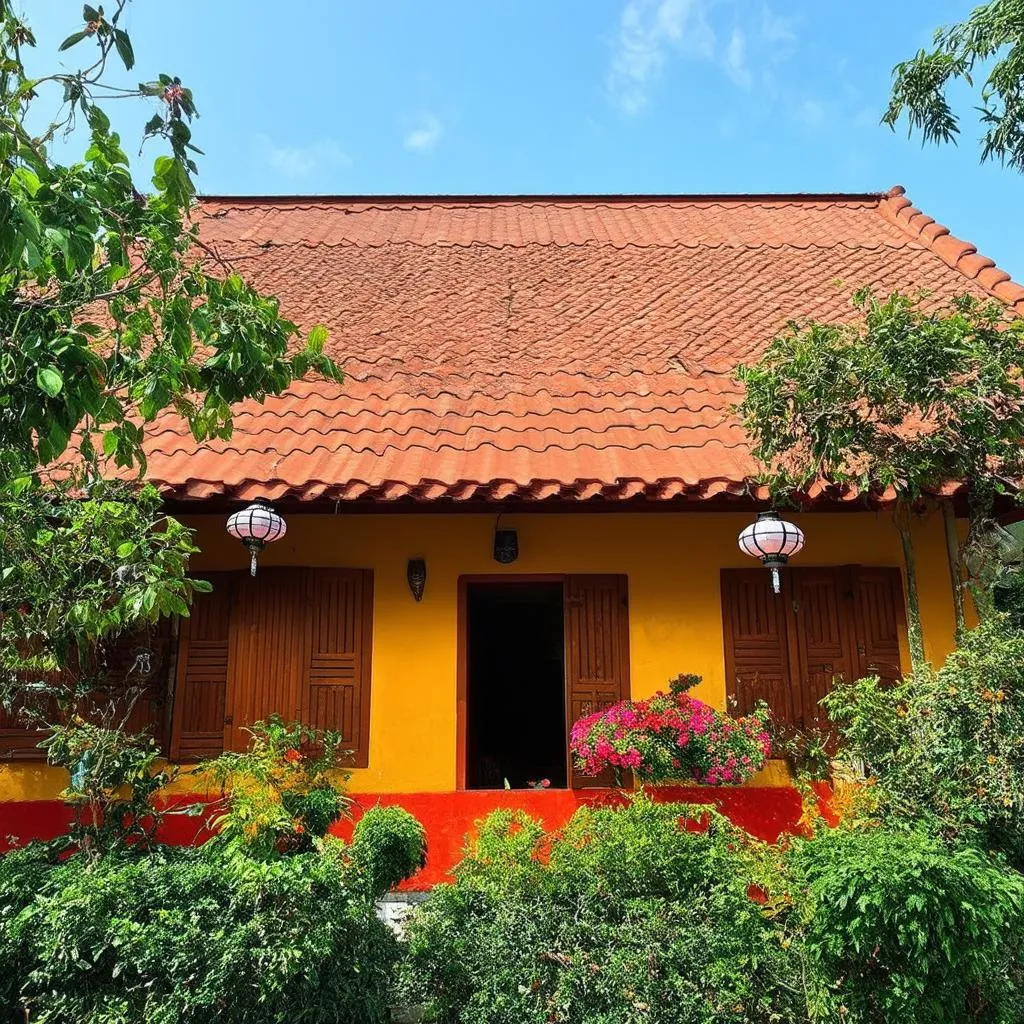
{"x":295,"y":642}
{"x":786,"y":649}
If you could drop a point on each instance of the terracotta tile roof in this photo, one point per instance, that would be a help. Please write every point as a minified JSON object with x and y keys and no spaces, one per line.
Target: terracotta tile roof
{"x":510,"y":348}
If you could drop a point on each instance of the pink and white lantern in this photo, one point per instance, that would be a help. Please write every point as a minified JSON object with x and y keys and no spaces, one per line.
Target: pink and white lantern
{"x":256,"y":526}
{"x":774,"y":541}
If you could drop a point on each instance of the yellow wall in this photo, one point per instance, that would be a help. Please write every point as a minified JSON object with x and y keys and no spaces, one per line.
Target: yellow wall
{"x":672,"y":561}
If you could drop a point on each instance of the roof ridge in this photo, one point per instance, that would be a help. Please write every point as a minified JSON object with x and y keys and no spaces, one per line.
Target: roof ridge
{"x":439,"y":198}
{"x":962,"y":256}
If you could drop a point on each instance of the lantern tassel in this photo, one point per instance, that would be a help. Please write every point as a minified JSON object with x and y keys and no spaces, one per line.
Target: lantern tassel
{"x":252,"y":561}
{"x":776,"y":580}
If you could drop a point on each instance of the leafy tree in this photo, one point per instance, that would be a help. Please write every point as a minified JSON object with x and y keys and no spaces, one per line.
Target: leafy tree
{"x":991,"y":38}
{"x":112,"y":312}
{"x":903,"y":399}
{"x":946,"y":746}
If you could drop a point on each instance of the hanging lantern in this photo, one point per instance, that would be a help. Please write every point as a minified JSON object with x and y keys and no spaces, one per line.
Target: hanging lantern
{"x":256,"y":526}
{"x":774,"y":541}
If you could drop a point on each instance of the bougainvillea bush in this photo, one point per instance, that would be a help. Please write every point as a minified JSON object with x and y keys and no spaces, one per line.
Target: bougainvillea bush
{"x":672,"y":736}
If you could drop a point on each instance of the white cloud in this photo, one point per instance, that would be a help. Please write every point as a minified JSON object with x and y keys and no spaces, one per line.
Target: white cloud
{"x":651,"y":31}
{"x":302,"y":161}
{"x":776,"y":29}
{"x":426,"y":135}
{"x":647,"y":29}
{"x":736,"y":59}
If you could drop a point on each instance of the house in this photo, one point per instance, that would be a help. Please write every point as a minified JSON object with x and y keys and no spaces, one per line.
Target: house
{"x":536,"y":416}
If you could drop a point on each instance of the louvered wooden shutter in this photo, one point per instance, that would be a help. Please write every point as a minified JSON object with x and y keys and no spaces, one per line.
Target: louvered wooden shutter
{"x":300,"y":648}
{"x":821,"y":603}
{"x":788,"y":649}
{"x":596,"y":652}
{"x":137,"y":669}
{"x":757,"y":661}
{"x":19,"y":741}
{"x":267,"y":651}
{"x":202,"y":673}
{"x":879,"y":621}
{"x":133,"y":674}
{"x":336,"y":676}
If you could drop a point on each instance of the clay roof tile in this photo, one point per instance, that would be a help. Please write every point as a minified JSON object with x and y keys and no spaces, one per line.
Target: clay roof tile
{"x":541,"y":348}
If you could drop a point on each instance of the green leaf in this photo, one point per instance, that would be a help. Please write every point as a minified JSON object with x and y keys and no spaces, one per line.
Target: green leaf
{"x":23,"y":177}
{"x":75,"y":37}
{"x":124,"y":48}
{"x":19,"y":485}
{"x":49,"y":380}
{"x":316,"y":339}
{"x":90,"y":13}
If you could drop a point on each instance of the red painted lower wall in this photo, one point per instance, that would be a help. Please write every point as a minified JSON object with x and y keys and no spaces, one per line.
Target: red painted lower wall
{"x":765,"y":813}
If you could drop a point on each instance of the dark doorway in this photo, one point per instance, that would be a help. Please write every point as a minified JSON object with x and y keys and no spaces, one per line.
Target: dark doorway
{"x":515,"y":685}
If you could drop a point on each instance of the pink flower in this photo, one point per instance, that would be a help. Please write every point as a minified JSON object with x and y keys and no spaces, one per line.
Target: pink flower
{"x":631,"y":759}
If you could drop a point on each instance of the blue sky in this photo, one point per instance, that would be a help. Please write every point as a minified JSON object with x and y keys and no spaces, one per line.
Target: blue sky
{"x":479,"y":96}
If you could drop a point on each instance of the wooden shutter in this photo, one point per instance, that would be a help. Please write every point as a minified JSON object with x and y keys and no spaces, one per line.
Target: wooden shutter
{"x":827,"y":623}
{"x":596,"y":652}
{"x":267,"y":651}
{"x":298,"y":646}
{"x":137,"y":669}
{"x":18,"y":741}
{"x":133,"y":673}
{"x":757,"y":660}
{"x":336,"y":677}
{"x":821,"y":607}
{"x":879,"y":620}
{"x":202,"y":673}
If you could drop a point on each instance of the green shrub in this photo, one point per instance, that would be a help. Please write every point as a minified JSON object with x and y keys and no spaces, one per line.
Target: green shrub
{"x":227,"y":932}
{"x":280,"y":794}
{"x":626,"y":916}
{"x":947,"y":743}
{"x":192,"y":936}
{"x":388,"y":845}
{"x":23,"y":873}
{"x":901,"y":926}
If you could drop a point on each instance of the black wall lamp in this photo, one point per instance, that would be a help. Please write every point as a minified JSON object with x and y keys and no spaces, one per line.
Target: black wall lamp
{"x":416,"y":574}
{"x":506,"y":544}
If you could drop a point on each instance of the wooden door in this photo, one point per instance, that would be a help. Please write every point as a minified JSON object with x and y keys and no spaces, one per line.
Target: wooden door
{"x":596,"y":653}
